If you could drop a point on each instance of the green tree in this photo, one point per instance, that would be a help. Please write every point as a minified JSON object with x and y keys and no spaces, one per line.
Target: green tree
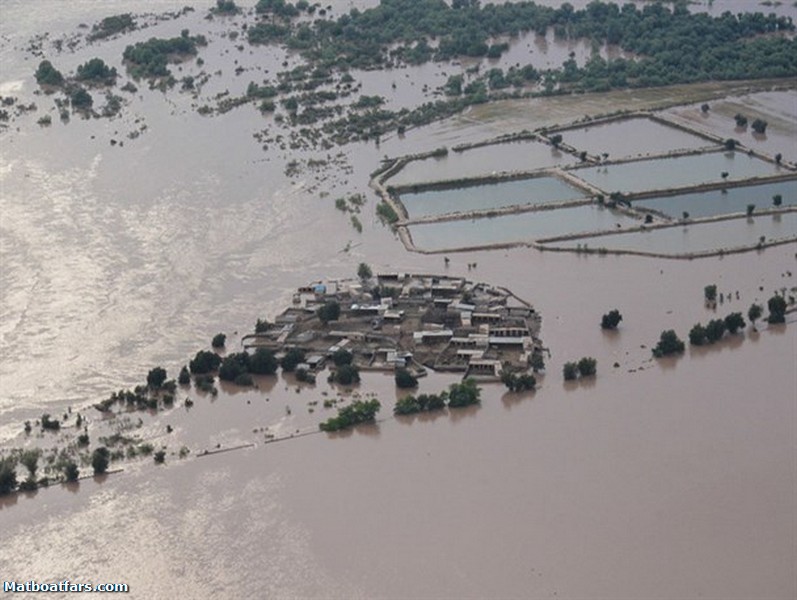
{"x":47,"y":74}
{"x":263,"y":362}
{"x":777,"y":309}
{"x":156,"y":377}
{"x":750,"y":210}
{"x":205,"y":361}
{"x":218,"y":340}
{"x":405,"y":379}
{"x":715,"y":329}
{"x":96,"y":71}
{"x":329,"y":311}
{"x":669,"y":343}
{"x":184,"y":378}
{"x":611,"y":319}
{"x":777,"y":200}
{"x":30,"y":460}
{"x":234,"y":366}
{"x":359,"y":411}
{"x":710,"y":293}
{"x":8,"y":475}
{"x":346,"y":375}
{"x":754,"y":313}
{"x":741,"y":120}
{"x":71,"y":471}
{"x":364,"y":271}
{"x":759,"y":126}
{"x":341,"y":357}
{"x":100,"y":459}
{"x":292,"y":358}
{"x":697,"y":335}
{"x":734,"y":322}
{"x":262,"y":326}
{"x":81,"y":99}
{"x":159,"y":457}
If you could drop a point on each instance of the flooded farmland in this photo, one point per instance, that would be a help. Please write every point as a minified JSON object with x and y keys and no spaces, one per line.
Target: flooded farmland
{"x":657,"y":479}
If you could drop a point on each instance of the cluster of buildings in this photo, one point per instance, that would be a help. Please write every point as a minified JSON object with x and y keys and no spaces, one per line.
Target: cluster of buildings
{"x":401,"y":320}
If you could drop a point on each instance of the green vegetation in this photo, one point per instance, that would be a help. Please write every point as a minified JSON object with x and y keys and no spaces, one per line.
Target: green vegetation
{"x":8,"y":475}
{"x":236,"y":368}
{"x":330,"y":311}
{"x":149,"y":59}
{"x":715,"y":329}
{"x":359,"y":411}
{"x":750,"y":210}
{"x":741,"y":120}
{"x":422,"y":403}
{"x":112,"y":25}
{"x":262,"y":326}
{"x":47,"y":74}
{"x":611,"y":319}
{"x":464,"y":394}
{"x":96,"y":71}
{"x":405,"y":379}
{"x":697,"y":335}
{"x":71,"y":471}
{"x":386,"y":213}
{"x":734,"y":322}
{"x":49,"y":424}
{"x":218,"y":340}
{"x":669,"y":343}
{"x":518,"y":383}
{"x":570,"y":371}
{"x":159,"y":457}
{"x":777,"y":200}
{"x":759,"y":126}
{"x":587,"y":366}
{"x":777,"y":309}
{"x":184,"y":378}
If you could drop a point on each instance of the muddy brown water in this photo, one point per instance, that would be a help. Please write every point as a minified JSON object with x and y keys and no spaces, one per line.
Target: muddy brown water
{"x":656,"y":480}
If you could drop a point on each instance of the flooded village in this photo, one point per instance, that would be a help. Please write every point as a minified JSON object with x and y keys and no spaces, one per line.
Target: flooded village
{"x":204,"y":274}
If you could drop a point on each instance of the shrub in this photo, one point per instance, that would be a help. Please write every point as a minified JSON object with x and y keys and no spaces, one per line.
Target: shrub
{"x":47,"y":74}
{"x":777,"y":309}
{"x":8,"y":475}
{"x":218,"y":340}
{"x":71,"y":471}
{"x":159,"y":457}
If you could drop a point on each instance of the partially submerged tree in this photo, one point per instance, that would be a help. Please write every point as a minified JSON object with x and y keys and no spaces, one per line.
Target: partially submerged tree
{"x":611,"y":319}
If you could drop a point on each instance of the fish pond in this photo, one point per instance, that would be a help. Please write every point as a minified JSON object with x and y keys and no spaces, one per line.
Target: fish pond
{"x":518,"y":192}
{"x":516,"y":228}
{"x":675,"y":172}
{"x":524,"y":155}
{"x":721,"y":202}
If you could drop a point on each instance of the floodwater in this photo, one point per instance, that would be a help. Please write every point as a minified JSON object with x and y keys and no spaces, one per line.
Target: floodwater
{"x":632,"y":137}
{"x":733,"y":233}
{"x":675,"y":172}
{"x":656,"y":480}
{"x":484,"y":160}
{"x":720,"y":202}
{"x":520,"y":192}
{"x":513,"y":228}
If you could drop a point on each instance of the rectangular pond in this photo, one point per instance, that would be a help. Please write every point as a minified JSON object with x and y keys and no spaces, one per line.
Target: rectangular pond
{"x":518,"y":192}
{"x":524,"y":155}
{"x":675,"y":172}
{"x":523,"y":227}
{"x":632,"y":137}
{"x":697,"y":237}
{"x":720,"y":202}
